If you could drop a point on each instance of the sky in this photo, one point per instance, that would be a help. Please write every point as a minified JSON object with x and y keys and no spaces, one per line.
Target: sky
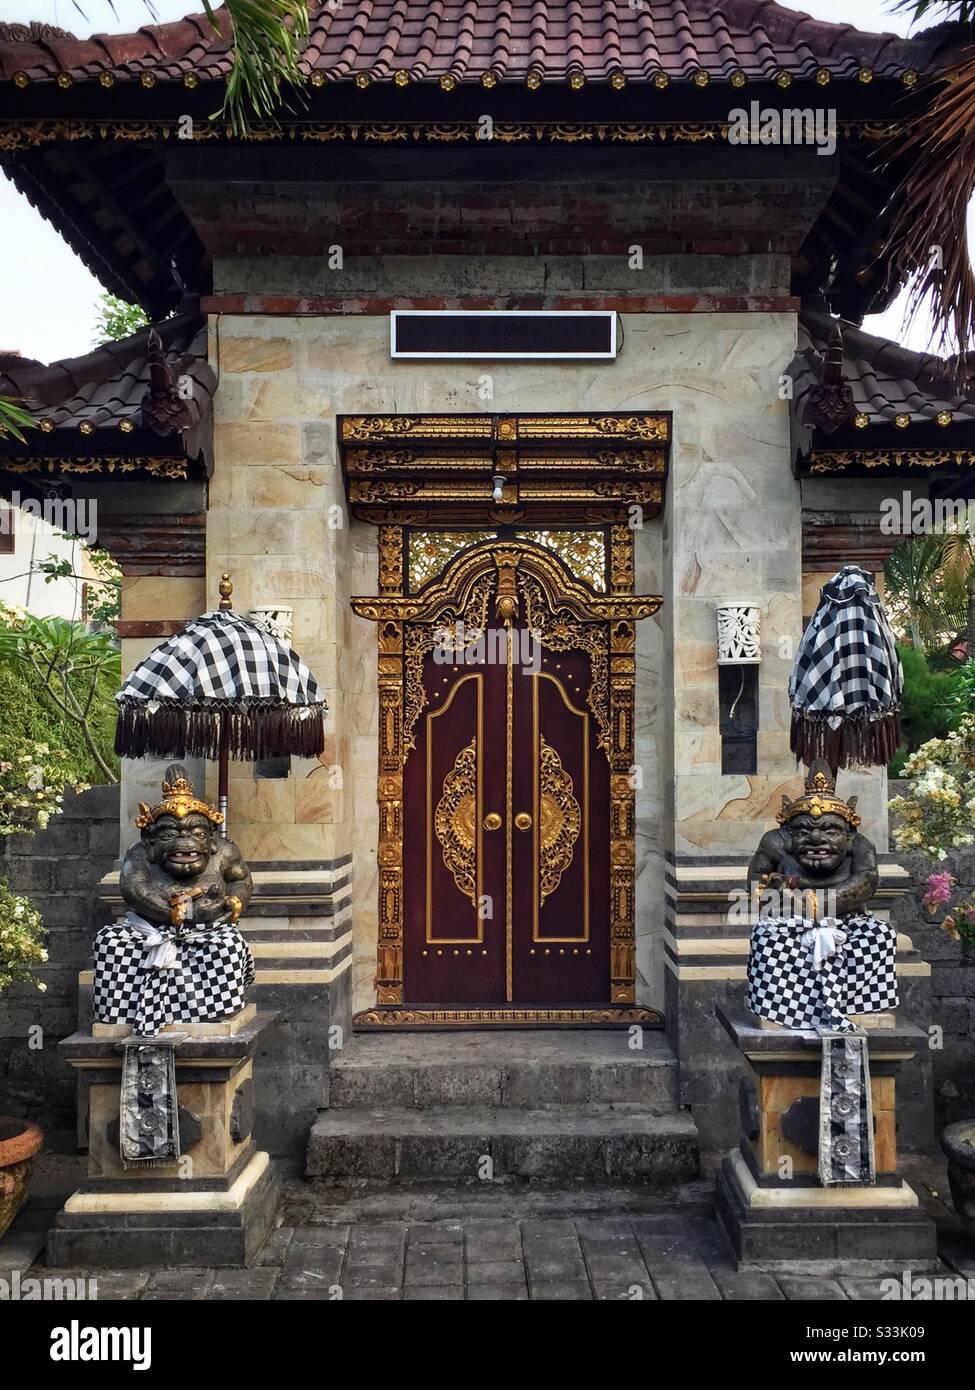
{"x":47,"y":296}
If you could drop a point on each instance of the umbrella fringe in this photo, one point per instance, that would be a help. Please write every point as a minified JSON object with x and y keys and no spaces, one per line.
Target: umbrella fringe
{"x":260,"y":729}
{"x":861,"y":741}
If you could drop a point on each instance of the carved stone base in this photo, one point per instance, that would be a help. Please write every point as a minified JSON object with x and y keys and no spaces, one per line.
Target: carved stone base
{"x":822,"y":1230}
{"x":213,"y":1206}
{"x":169,"y":1226}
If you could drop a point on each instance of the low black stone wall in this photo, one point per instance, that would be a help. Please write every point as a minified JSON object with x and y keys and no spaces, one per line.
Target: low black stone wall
{"x":952,"y":987}
{"x":58,"y":869}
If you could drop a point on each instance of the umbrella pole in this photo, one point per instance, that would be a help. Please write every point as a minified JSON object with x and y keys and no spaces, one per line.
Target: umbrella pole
{"x":223,"y":770}
{"x":223,"y":765}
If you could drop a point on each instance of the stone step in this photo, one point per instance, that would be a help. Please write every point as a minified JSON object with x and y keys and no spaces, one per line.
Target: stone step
{"x":532,"y":1069}
{"x":453,"y":1144}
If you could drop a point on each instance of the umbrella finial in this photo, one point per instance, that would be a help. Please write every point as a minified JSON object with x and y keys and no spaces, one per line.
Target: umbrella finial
{"x":226,"y":589}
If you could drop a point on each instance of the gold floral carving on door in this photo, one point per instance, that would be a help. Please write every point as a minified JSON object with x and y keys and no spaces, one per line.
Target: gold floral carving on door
{"x":516,"y":794}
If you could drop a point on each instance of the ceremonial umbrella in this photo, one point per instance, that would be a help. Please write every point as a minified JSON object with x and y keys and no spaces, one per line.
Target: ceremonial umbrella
{"x":846,"y":681}
{"x":224,"y":687}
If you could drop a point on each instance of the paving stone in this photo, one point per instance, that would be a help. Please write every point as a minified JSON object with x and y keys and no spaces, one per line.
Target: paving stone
{"x":360,"y":1276}
{"x":254,"y":1284}
{"x":623,"y":1269}
{"x":421,"y":1270}
{"x":741,"y":1287}
{"x":389,"y":1234}
{"x":622,"y":1291}
{"x":374,"y":1259}
{"x":552,"y":1290}
{"x":669,"y":1251}
{"x":313,"y":1264}
{"x":865,"y":1290}
{"x":19,"y":1249}
{"x":690,"y":1284}
{"x":496,"y":1272}
{"x":498,"y":1293}
{"x":437,"y":1233}
{"x":799,"y":1287}
{"x":334,"y":1236}
{"x":377,"y":1295}
{"x":433,"y":1292}
{"x":178,"y":1283}
{"x":111,"y":1284}
{"x":276,"y":1247}
{"x":600,"y":1228}
{"x":293,"y":1277}
{"x":487,"y":1249}
{"x":543,"y":1269}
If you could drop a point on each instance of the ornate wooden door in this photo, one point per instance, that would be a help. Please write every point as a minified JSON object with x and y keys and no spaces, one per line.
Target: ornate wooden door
{"x":506,"y":850}
{"x":506,"y":827}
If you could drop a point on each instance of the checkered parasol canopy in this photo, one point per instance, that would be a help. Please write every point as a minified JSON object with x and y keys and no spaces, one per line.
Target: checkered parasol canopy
{"x":846,"y":682}
{"x":222,"y":676}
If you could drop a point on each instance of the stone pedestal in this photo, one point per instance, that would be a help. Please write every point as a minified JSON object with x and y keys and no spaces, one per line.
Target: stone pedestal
{"x":214,"y":1206}
{"x":777,"y":1214}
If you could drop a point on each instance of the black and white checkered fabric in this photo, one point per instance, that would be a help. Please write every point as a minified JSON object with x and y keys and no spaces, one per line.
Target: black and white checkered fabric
{"x":214,"y":967}
{"x":785,"y":986}
{"x":221,"y":656}
{"x":847,"y":662}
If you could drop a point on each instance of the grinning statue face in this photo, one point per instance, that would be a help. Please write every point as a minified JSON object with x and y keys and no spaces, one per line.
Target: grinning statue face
{"x":181,"y":845}
{"x":820,"y":843}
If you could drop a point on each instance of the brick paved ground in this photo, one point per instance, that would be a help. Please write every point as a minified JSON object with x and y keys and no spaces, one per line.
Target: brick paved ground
{"x":449,"y":1244}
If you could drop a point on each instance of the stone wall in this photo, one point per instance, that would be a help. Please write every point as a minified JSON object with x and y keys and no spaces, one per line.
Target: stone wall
{"x":952,"y":988}
{"x":59,"y":870}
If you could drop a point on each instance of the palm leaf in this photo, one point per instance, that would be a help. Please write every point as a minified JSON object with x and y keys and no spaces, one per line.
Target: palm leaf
{"x":927,"y":240}
{"x":268,"y":38}
{"x":13,"y":419}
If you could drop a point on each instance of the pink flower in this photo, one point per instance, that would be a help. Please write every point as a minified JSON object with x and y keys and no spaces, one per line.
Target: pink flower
{"x":939,"y":890}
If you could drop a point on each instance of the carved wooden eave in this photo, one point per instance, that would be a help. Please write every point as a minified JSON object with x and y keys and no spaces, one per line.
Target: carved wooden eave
{"x":433,"y":469}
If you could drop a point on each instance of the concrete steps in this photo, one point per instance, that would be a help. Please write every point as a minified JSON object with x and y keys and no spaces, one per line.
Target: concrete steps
{"x":544,"y":1106}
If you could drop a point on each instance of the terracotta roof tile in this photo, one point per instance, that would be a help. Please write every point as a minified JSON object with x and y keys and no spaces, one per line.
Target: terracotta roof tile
{"x":887,"y":380}
{"x":107,"y":386}
{"x":508,"y":38}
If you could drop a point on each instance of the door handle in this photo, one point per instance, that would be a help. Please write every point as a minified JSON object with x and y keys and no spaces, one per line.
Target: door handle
{"x":492,"y":821}
{"x":523,"y":820}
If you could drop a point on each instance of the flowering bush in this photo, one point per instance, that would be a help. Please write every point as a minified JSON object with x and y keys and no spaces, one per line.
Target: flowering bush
{"x":938,"y":812}
{"x":32,"y":783}
{"x":21,"y":935}
{"x":959,"y":922}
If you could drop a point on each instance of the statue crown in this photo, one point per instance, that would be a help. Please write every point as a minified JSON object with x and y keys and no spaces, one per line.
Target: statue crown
{"x":178,"y":800}
{"x":819,"y":799}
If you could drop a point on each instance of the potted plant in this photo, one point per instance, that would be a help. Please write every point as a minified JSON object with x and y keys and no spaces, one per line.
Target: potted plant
{"x":21,"y":951}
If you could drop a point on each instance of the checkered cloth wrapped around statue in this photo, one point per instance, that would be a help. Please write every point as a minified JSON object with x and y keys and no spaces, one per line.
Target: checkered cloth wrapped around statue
{"x":150,"y":975}
{"x":810,"y":975}
{"x":817,"y":953}
{"x":177,"y":955}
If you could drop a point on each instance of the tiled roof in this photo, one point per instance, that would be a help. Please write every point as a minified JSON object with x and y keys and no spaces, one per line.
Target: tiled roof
{"x":887,"y":380}
{"x":465,"y":41}
{"x":107,"y":388}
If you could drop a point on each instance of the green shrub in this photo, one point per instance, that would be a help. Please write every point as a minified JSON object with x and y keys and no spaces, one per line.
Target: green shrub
{"x":926,"y":711}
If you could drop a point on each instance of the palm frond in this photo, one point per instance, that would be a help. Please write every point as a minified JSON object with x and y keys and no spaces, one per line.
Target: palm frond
{"x":13,"y":419}
{"x":962,"y":10}
{"x":268,"y":39}
{"x":928,"y":236}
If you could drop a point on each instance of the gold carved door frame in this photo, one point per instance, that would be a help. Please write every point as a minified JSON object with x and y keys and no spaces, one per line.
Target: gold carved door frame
{"x":604,"y":624}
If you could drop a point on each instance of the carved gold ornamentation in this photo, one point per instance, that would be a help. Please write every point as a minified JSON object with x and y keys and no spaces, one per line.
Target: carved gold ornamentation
{"x":621,"y":573}
{"x":157,"y":467}
{"x":391,"y":559}
{"x":560,"y":819}
{"x":455,"y":821}
{"x":839,"y":460}
{"x":430,"y":551}
{"x":564,"y":614}
{"x":19,"y":134}
{"x":442,"y":1018}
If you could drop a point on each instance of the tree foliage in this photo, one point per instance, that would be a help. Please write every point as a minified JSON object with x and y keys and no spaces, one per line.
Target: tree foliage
{"x":116,"y":319}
